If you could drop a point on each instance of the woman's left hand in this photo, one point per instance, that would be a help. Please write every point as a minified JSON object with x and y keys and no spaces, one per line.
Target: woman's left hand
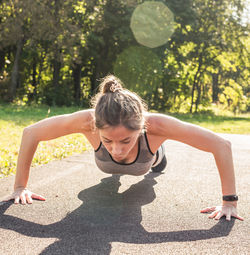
{"x":217,"y":212}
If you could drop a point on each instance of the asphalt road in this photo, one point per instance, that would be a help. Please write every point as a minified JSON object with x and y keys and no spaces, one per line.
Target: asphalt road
{"x":89,"y":212}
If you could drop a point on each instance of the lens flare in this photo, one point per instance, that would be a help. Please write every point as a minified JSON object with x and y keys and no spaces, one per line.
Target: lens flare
{"x":139,"y":68}
{"x":152,"y":24}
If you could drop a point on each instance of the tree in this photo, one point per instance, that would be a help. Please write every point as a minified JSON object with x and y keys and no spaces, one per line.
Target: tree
{"x":214,"y":32}
{"x":55,"y":52}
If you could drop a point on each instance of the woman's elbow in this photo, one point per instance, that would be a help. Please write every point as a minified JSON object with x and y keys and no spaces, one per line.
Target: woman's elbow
{"x":228,"y":144}
{"x":29,"y":133}
{"x":223,"y":146}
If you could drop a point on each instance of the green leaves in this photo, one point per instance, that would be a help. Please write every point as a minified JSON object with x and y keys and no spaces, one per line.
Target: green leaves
{"x":65,"y":47}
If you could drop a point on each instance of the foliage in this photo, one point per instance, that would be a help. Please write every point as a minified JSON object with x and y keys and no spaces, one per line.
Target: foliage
{"x":55,"y":52}
{"x":144,"y":68}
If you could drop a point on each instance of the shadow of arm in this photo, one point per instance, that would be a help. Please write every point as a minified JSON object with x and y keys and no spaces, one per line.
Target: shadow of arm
{"x":222,"y":228}
{"x":21,"y":226}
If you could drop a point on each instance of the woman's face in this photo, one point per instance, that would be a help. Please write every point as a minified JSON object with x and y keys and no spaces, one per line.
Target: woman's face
{"x":119,"y":141}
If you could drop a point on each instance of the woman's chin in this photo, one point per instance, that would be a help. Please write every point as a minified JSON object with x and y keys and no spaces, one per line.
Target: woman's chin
{"x":118,"y":158}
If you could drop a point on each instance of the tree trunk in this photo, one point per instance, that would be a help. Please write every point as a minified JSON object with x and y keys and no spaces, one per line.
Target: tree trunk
{"x":192,"y":100}
{"x":56,"y":77}
{"x":77,"y":82}
{"x":199,"y":87}
{"x":215,"y":78}
{"x":195,"y":82}
{"x":93,"y":82}
{"x":56,"y":74}
{"x":197,"y":102}
{"x":34,"y":80}
{"x":2,"y":60}
{"x":43,"y":54}
{"x":15,"y":71}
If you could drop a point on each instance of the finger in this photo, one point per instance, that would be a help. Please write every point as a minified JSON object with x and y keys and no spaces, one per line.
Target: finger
{"x":237,"y":217}
{"x":218,"y":216}
{"x":17,"y":199}
{"x":228,"y":216}
{"x":29,"y":199}
{"x":23,"y":199}
{"x":39,"y":197}
{"x":212,"y":215}
{"x":208,"y":209}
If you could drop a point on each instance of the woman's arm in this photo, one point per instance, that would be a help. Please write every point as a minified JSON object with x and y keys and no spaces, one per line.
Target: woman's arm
{"x":44,"y":130}
{"x":171,"y":128}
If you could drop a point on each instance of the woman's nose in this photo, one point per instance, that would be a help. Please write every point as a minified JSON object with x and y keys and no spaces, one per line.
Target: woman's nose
{"x":116,"y":150}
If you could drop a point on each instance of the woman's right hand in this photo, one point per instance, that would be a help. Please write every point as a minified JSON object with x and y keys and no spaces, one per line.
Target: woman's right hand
{"x":24,"y":196}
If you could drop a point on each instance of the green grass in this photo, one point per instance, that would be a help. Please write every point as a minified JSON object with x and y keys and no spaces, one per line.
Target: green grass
{"x":12,"y":121}
{"x":219,"y":124}
{"x":14,"y":118}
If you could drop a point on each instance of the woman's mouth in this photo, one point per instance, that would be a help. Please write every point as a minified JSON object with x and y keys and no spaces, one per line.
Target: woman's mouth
{"x":119,"y":157}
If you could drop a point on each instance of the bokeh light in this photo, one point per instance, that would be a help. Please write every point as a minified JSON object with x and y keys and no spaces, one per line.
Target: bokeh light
{"x":139,"y":68}
{"x":152,"y":24}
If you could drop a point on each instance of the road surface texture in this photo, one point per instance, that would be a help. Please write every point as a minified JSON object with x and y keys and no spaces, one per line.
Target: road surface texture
{"x":89,"y":212}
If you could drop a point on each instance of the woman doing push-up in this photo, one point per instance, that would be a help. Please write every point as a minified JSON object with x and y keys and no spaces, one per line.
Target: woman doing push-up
{"x":127,"y":140}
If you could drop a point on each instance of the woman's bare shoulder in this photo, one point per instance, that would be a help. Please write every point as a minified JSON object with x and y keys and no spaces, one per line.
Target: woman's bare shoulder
{"x":160,"y":124}
{"x":85,"y":119}
{"x":154,"y":118}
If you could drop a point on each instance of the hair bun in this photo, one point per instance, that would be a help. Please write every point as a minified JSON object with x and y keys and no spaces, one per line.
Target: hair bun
{"x":110,"y":84}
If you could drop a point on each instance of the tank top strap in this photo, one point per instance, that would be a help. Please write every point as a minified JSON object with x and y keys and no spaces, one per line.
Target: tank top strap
{"x":145,"y":141}
{"x":142,"y":163}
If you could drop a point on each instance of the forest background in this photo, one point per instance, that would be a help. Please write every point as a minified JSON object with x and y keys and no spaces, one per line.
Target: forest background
{"x":54,"y":52}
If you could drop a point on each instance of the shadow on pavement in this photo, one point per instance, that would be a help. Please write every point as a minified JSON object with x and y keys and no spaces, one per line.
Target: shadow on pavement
{"x":107,"y":216}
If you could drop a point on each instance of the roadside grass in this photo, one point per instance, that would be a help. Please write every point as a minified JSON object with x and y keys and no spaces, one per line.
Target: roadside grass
{"x":14,"y":118}
{"x":219,"y":123}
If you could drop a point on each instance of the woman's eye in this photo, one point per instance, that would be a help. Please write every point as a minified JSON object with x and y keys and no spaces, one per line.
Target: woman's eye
{"x":127,"y":142}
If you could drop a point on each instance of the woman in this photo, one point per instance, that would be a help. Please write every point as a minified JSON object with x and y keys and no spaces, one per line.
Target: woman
{"x":127,"y":140}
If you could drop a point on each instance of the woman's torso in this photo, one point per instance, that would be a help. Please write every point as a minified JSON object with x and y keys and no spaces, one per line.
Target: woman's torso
{"x":154,"y":141}
{"x":139,"y":162}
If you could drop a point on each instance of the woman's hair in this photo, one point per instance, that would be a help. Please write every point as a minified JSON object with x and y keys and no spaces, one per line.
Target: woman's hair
{"x":114,"y":105}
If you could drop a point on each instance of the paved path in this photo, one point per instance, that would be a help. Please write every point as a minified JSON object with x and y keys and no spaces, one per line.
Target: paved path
{"x":90,"y":212}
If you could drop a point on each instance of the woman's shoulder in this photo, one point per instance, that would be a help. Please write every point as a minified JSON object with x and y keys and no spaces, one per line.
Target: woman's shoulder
{"x":154,"y":119}
{"x":84,"y":118}
{"x":152,"y":122}
{"x":155,"y":130}
{"x":87,"y":114}
{"x":160,"y":124}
